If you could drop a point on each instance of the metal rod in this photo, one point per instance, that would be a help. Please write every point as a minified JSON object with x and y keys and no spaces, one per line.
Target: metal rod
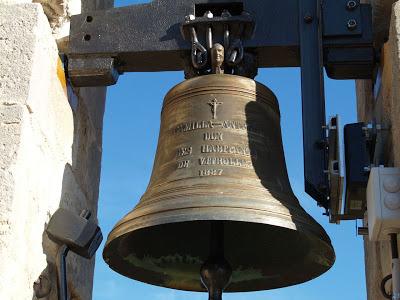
{"x":233,"y":56}
{"x":62,"y":261}
{"x":226,"y":37}
{"x":86,"y":214}
{"x":194,"y":35}
{"x":216,"y":272}
{"x":209,"y":38}
{"x":313,"y":100}
{"x":394,"y":246}
{"x":62,"y":273}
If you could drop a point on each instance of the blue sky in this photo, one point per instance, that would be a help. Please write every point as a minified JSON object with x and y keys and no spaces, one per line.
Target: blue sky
{"x":131,"y":127}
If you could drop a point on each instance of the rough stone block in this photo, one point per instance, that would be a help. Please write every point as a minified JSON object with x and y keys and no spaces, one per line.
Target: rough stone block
{"x":59,"y":13}
{"x":36,"y":137}
{"x":49,"y":155}
{"x":394,"y":63}
{"x":382,"y":10}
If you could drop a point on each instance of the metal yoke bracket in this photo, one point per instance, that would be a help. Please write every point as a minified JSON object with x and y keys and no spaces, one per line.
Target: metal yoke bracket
{"x":311,"y":34}
{"x":313,"y":100}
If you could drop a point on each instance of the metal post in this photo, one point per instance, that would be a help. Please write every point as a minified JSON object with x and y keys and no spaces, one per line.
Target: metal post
{"x":62,"y":273}
{"x":313,"y":100}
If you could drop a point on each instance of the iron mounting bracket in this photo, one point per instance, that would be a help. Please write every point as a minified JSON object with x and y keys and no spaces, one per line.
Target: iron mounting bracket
{"x":311,"y":34}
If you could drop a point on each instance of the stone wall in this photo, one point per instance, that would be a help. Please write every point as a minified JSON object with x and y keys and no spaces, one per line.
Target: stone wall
{"x":379,"y":101}
{"x":50,"y":146}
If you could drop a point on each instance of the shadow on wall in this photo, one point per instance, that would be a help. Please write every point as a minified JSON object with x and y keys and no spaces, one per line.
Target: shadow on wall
{"x":80,"y":190}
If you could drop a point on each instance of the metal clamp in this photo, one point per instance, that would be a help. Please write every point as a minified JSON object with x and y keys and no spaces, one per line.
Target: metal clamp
{"x":73,"y":233}
{"x":235,"y":53}
{"x":222,"y":29}
{"x":199,"y":52}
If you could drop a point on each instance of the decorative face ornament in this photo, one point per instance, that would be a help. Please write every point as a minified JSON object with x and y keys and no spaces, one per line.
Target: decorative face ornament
{"x":217,"y":58}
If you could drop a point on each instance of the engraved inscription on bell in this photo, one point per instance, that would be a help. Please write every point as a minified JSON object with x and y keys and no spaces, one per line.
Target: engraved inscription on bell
{"x":225,"y":161}
{"x":184,"y":151}
{"x":213,"y":136}
{"x":193,"y":125}
{"x":210,"y":172}
{"x":222,"y":138}
{"x":183,"y":164}
{"x":226,"y":124}
{"x":212,"y":148}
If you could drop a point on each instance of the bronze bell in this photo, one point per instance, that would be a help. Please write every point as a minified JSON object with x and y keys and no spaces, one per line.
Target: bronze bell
{"x":219,"y":160}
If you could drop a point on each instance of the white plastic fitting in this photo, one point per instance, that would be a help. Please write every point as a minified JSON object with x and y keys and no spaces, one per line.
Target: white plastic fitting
{"x":383,"y":203}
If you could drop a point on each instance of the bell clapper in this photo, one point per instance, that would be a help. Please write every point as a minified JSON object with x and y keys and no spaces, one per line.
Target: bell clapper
{"x":216,"y":272}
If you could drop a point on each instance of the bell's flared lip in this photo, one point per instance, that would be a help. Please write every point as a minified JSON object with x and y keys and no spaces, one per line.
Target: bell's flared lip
{"x":323,"y":252}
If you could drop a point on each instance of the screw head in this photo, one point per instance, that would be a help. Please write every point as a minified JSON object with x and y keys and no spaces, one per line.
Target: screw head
{"x":368,"y":126}
{"x":209,"y":14}
{"x":351,"y":24}
{"x":308,"y":19}
{"x":367,"y":169}
{"x":189,"y":18}
{"x":226,"y":13}
{"x":351,"y":4}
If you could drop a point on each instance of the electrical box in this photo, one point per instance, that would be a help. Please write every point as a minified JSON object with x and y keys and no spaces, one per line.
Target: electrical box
{"x":81,"y":235}
{"x":383,"y":203}
{"x":357,"y":167}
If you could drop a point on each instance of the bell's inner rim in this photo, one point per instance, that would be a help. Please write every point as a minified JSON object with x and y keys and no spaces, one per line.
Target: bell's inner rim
{"x":262,"y":256}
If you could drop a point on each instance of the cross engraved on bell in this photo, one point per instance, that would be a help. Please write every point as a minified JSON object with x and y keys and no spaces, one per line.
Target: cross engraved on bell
{"x":214,"y":105}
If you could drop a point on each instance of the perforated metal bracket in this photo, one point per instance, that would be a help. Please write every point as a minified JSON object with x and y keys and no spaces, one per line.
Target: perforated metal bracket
{"x":335,"y":170}
{"x":342,"y":18}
